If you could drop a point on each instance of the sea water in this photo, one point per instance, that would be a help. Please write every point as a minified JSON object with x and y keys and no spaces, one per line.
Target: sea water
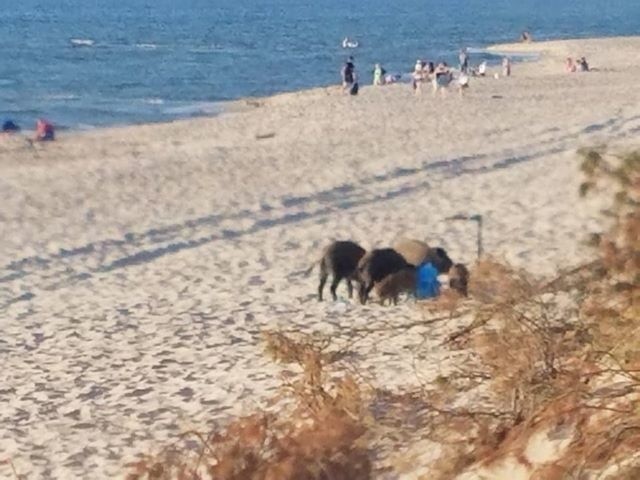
{"x":87,"y":63}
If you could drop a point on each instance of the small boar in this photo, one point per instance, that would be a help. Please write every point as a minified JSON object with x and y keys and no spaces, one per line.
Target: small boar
{"x":340,"y":259}
{"x":375,"y":266}
{"x":403,"y":281}
{"x":459,"y":279}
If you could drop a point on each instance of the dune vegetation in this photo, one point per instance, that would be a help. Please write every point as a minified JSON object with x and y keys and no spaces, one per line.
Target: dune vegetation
{"x":551,"y":389}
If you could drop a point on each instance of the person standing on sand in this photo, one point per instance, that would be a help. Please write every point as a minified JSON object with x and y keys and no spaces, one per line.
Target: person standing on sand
{"x":525,"y":37}
{"x":348,"y":74}
{"x":417,"y":77}
{"x":506,"y":67}
{"x":464,"y":60}
{"x":378,"y":74}
{"x":463,"y":83}
{"x":442,"y":78}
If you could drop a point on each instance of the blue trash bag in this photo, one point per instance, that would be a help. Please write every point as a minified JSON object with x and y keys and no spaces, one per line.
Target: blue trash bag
{"x":427,"y":284}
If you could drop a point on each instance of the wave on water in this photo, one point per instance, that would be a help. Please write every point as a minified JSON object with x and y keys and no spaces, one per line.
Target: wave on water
{"x":82,"y":42}
{"x":497,"y":53}
{"x":194,"y":109}
{"x":146,"y":46}
{"x":61,"y":96}
{"x":207,"y":49}
{"x":217,"y":48}
{"x":153,"y":101}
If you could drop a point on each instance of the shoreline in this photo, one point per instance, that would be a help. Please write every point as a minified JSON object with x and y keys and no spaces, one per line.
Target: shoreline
{"x":537,"y":49}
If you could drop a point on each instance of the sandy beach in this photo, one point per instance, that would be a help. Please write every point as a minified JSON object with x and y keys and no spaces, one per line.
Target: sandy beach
{"x":140,"y":264}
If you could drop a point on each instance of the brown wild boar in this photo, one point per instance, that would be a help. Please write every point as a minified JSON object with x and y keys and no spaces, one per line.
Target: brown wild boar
{"x":459,"y":279}
{"x":375,"y":266}
{"x":403,"y":281}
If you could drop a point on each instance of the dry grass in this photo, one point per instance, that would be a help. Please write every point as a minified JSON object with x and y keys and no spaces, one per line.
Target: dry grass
{"x":554,"y":363}
{"x":558,"y":358}
{"x":321,"y":438}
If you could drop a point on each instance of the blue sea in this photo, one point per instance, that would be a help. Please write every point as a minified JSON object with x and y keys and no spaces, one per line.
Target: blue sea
{"x":88,"y":63}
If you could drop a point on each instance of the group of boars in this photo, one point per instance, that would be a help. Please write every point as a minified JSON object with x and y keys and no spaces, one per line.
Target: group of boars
{"x":391,"y":271}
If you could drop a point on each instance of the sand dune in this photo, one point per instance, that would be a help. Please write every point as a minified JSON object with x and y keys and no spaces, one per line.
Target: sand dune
{"x":140,"y":264}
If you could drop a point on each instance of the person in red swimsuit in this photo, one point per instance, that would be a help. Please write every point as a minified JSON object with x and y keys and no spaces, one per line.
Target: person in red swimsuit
{"x":44,"y":131}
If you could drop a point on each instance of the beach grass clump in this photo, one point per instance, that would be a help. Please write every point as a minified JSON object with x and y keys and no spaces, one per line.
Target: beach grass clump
{"x":563,"y":357}
{"x":321,"y":437}
{"x":619,"y":174}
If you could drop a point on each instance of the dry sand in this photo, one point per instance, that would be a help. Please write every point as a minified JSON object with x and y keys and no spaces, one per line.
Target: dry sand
{"x":140,"y":264}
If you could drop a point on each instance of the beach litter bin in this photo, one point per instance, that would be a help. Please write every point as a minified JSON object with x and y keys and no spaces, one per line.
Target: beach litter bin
{"x":427,"y":284}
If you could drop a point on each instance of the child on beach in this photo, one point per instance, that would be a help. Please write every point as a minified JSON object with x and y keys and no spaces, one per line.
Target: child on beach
{"x":463,"y":83}
{"x":569,"y":65}
{"x":482,"y":69}
{"x":417,"y":77}
{"x":378,"y":75}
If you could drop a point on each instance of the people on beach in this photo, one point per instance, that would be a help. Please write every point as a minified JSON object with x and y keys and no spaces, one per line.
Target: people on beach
{"x":482,"y":68}
{"x":391,"y":78}
{"x":44,"y":131}
{"x":431,"y":68}
{"x":463,"y":83}
{"x":379,"y":74}
{"x":9,"y":127}
{"x":463,"y":57}
{"x":348,"y":74}
{"x":583,"y":66}
{"x":506,"y":67}
{"x":418,"y":76}
{"x":525,"y":37}
{"x":569,"y":65}
{"x":442,"y":78}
